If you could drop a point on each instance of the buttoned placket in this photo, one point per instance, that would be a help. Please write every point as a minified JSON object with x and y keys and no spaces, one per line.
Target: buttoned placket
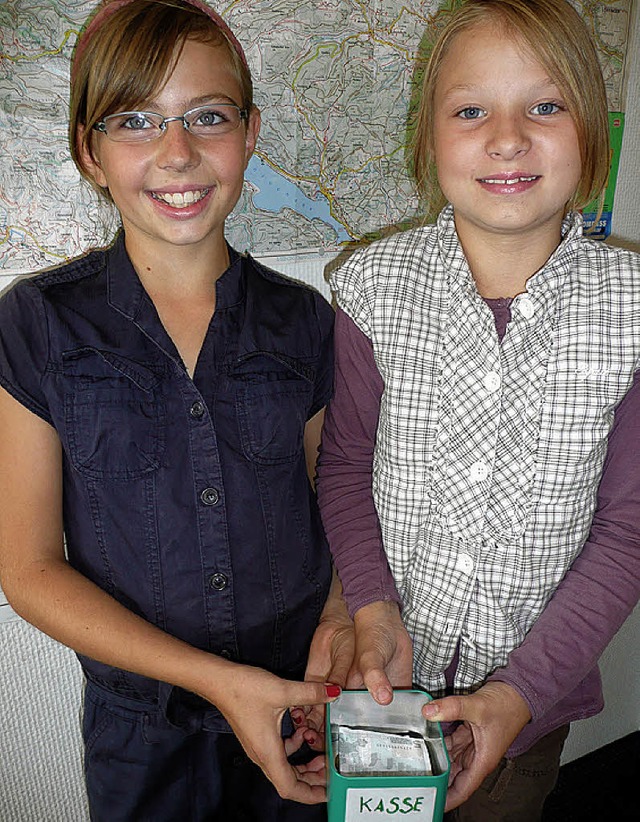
{"x":211,"y":515}
{"x":463,"y":477}
{"x":524,"y":354}
{"x":208,"y":488}
{"x":468,"y":481}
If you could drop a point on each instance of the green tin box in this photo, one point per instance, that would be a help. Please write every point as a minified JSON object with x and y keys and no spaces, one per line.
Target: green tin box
{"x":360,"y":797}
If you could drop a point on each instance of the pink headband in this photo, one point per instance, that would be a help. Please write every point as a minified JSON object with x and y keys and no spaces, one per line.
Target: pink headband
{"x":109,"y":7}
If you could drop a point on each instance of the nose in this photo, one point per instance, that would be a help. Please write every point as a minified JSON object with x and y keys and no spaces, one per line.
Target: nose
{"x":176,"y":148}
{"x":509,"y":138}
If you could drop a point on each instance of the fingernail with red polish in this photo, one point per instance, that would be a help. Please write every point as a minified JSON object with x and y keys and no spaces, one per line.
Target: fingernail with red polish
{"x":332,"y":690}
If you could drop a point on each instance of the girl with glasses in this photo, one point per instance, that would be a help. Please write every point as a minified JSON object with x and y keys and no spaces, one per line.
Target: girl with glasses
{"x":160,"y":407}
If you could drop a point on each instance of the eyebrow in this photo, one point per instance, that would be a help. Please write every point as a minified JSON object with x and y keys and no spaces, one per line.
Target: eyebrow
{"x":202,"y":100}
{"x":472,"y":87}
{"x":212,"y":98}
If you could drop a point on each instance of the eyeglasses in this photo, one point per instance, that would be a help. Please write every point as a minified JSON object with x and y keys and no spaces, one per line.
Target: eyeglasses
{"x":212,"y":120}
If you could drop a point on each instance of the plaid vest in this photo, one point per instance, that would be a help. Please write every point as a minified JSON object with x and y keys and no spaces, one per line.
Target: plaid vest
{"x":488,"y":454}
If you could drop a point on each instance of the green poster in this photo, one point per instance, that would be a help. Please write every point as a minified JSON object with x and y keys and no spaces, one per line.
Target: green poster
{"x":603,"y":228}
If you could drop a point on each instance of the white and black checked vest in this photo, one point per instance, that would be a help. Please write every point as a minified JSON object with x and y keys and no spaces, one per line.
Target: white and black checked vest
{"x":488,"y":454}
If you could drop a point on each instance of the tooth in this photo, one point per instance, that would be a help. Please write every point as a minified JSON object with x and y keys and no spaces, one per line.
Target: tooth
{"x":179,"y":200}
{"x":510,"y":181}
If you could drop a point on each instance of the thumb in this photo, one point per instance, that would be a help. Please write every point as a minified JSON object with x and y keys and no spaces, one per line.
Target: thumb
{"x":312,"y":693}
{"x":339,"y":672}
{"x":372,"y":663}
{"x":378,"y":685}
{"x":449,"y":709}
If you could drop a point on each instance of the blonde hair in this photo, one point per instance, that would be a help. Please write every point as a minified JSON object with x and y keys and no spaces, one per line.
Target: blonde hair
{"x":559,"y":39}
{"x":126,"y":58}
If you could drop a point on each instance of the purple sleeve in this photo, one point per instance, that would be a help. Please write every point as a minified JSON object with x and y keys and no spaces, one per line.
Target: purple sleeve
{"x":345,"y":471}
{"x":600,"y":589}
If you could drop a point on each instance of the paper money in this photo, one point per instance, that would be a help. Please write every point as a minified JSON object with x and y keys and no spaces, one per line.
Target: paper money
{"x":374,"y":753}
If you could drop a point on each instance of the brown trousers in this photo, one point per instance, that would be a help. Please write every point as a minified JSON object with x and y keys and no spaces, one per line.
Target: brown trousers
{"x":517,"y":789}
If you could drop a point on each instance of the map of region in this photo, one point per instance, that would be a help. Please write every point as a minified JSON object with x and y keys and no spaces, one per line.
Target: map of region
{"x":334,"y":80}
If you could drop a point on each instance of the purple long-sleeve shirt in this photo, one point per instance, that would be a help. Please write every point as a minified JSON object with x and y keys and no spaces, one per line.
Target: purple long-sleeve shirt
{"x":555,"y":667}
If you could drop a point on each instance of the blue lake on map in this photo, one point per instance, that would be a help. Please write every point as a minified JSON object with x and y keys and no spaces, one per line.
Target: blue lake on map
{"x":276,"y":192}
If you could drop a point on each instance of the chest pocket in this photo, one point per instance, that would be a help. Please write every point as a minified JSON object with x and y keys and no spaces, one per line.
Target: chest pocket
{"x":114,"y":415}
{"x":273,"y":398}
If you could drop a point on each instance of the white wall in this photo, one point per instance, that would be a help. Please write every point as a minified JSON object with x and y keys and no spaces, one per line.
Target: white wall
{"x":40,"y":745}
{"x":620,"y":668}
{"x":626,"y":219}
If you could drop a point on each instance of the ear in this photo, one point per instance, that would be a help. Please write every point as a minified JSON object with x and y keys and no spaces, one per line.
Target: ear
{"x":253,"y":130}
{"x":88,"y":156}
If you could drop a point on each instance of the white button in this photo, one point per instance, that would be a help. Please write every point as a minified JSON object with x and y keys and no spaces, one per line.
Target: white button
{"x":479,"y":471}
{"x":491,"y":381}
{"x":464,"y":563}
{"x":525,"y":307}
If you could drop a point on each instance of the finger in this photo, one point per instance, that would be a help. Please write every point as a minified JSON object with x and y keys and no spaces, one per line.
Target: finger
{"x":460,"y":789}
{"x":311,"y":693}
{"x":309,"y":789}
{"x":459,"y":740}
{"x":313,"y":739}
{"x":294,"y":742}
{"x":315,"y":718}
{"x":314,"y":778}
{"x":316,"y":765}
{"x":298,"y":716}
{"x":340,"y":666}
{"x":453,"y":772}
{"x":354,"y":679}
{"x":378,"y":685}
{"x":292,"y":784}
{"x":450,"y":709}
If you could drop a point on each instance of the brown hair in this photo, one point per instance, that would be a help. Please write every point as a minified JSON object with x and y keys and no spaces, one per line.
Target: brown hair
{"x":123,"y":61}
{"x":559,"y":39}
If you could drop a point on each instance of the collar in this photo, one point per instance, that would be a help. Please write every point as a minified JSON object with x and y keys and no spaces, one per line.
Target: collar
{"x":558,"y":265}
{"x":127,"y":294}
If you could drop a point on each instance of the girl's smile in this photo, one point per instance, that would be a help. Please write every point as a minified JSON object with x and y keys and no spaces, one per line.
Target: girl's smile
{"x":181,"y":199}
{"x":505,"y":146}
{"x":509,"y":182}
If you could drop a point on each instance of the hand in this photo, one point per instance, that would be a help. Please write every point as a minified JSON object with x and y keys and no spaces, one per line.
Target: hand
{"x":330,"y":655}
{"x":333,"y":643}
{"x":384,"y":651}
{"x":254,"y":701}
{"x":491,"y":719}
